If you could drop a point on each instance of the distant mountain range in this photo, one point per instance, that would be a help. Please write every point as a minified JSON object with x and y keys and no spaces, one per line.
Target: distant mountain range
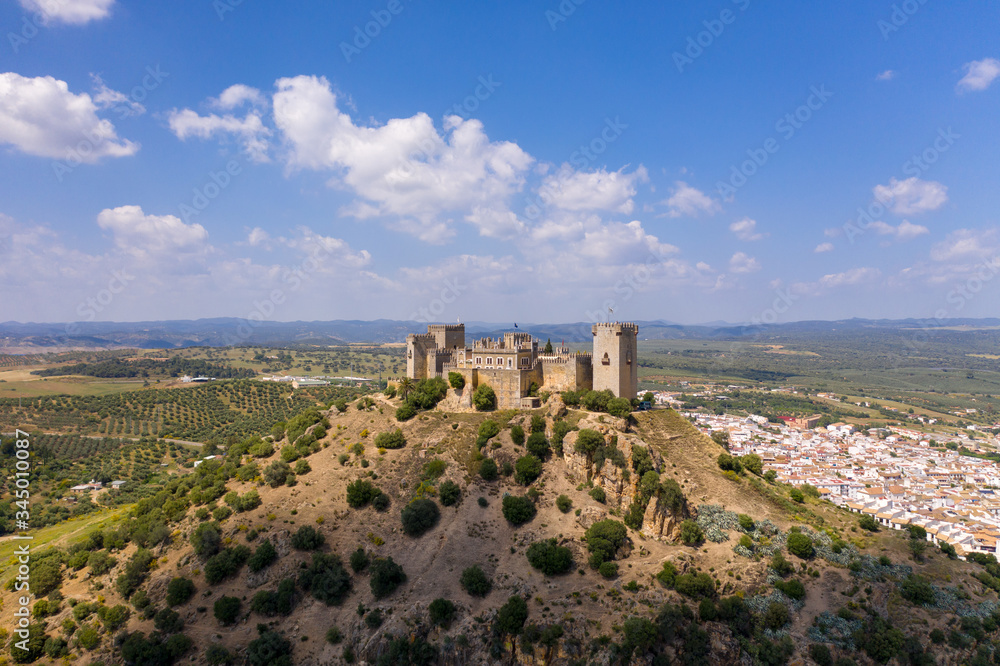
{"x":223,"y":331}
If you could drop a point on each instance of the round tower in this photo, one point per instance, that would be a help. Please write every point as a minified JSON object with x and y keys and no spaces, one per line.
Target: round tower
{"x":616,"y":359}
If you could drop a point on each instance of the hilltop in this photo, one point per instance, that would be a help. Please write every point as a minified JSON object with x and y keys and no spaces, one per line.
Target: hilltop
{"x":685,"y":571}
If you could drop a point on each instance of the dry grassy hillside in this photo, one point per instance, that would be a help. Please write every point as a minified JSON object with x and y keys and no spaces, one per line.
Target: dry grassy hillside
{"x":574,"y":617}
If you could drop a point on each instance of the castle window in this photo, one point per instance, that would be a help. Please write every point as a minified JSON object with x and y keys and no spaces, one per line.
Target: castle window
{"x":524,"y":361}
{"x":479,"y":361}
{"x":409,"y":353}
{"x":489,"y":360}
{"x":510,"y":362}
{"x":628,"y":358}
{"x":606,"y":360}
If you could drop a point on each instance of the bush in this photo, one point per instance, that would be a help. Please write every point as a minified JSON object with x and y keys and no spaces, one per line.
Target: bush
{"x":619,"y":407}
{"x":456,"y":380}
{"x":488,"y":469}
{"x":136,"y":571}
{"x":307,"y":538}
{"x":179,"y":590}
{"x":484,"y":399}
{"x":791,"y":588}
{"x":511,"y":617}
{"x":225,"y":563}
{"x":948,"y":550}
{"x":728,"y":463}
{"x":263,"y":556}
{"x":442,"y":612}
{"x":381,"y":502}
{"x":334,"y":636}
{"x":475,"y":581}
{"x":668,"y":575}
{"x":820,"y":653}
{"x":776,"y":616}
{"x":781,"y":565}
{"x":537,"y":445}
{"x":518,"y":509}
{"x":277,"y":473}
{"x":608,"y":569}
{"x":326,"y":579}
{"x":868,"y":523}
{"x":227,"y":610}
{"x":168,"y":621}
{"x":269,"y":649}
{"x":695,"y":585}
{"x":390,"y":440}
{"x":746,"y":522}
{"x":359,"y":560}
{"x":800,"y":545}
{"x":385,"y":577}
{"x":588,"y":441}
{"x":302,"y":467}
{"x":917,"y":590}
{"x":549,"y":558}
{"x":405,"y":412}
{"x":564,"y":503}
{"x":796,"y":495}
{"x":598,"y":495}
{"x":277,"y":602}
{"x":517,"y":434}
{"x":419,"y":516}
{"x":360,"y":493}
{"x":527,"y":469}
{"x":604,"y":538}
{"x":488,"y":429}
{"x":449,"y":493}
{"x":217,"y":655}
{"x":691,"y":533}
{"x":206,"y":539}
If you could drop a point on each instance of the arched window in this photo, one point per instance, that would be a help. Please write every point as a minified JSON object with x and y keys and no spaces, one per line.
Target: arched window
{"x":628,"y":358}
{"x":606,"y":360}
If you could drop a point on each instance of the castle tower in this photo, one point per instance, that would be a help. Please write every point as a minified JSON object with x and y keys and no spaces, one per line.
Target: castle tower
{"x":616,"y":359}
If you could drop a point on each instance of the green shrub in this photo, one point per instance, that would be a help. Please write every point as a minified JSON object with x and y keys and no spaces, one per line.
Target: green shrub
{"x":668,"y":575}
{"x":326,"y":579}
{"x":179,"y":590}
{"x":868,"y":523}
{"x":484,"y":399}
{"x":800,"y":545}
{"x":419,"y":516}
{"x":781,"y":565}
{"x":746,"y":522}
{"x":385,"y":577}
{"x":217,"y":655}
{"x":588,"y":441}
{"x":381,"y":502}
{"x":537,"y":445}
{"x":549,"y":557}
{"x":796,"y":495}
{"x":206,"y":539}
{"x":168,"y":621}
{"x":608,"y":569}
{"x":619,"y":407}
{"x":475,"y":581}
{"x":442,"y":612}
{"x":488,"y":429}
{"x":604,"y":538}
{"x":263,"y":556}
{"x":511,"y":617}
{"x":359,"y":560}
{"x":598,"y":495}
{"x":227,"y":610}
{"x":776,"y":616}
{"x":449,"y":493}
{"x":527,"y":469}
{"x":405,"y":412}
{"x":820,"y":653}
{"x":360,"y":493}
{"x":456,"y":380}
{"x":227,"y":562}
{"x":564,"y":503}
{"x":434,"y":469}
{"x":277,"y":602}
{"x":691,"y":533}
{"x":307,"y":538}
{"x":695,"y":585}
{"x":917,"y":590}
{"x":334,"y":636}
{"x":488,"y":469}
{"x":518,"y":509}
{"x":791,"y":588}
{"x":517,"y":435}
{"x":269,"y":649}
{"x":393,"y":439}
{"x":277,"y":473}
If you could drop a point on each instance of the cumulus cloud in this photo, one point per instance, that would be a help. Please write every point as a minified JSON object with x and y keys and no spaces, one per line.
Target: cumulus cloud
{"x":911,"y":196}
{"x":741,"y":262}
{"x":967,"y":245}
{"x":404,"y":168}
{"x":851,"y":277}
{"x":106,"y":98}
{"x":979,"y":75}
{"x":236,"y":95}
{"x":746,"y":229}
{"x":75,"y":12}
{"x":592,"y":190}
{"x":40,"y":116}
{"x":688,"y":201}
{"x":151,"y":236}
{"x":258,"y":237}
{"x":249,"y":130}
{"x":905,"y":231}
{"x":824,"y":247}
{"x":887,"y":75}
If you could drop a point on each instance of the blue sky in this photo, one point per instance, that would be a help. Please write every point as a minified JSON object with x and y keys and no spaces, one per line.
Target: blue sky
{"x":519,"y":161}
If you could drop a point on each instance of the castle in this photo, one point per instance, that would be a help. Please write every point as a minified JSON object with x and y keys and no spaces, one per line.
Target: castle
{"x":511,"y":364}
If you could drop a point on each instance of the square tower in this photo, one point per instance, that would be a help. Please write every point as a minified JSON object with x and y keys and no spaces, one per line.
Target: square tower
{"x":616,"y":359}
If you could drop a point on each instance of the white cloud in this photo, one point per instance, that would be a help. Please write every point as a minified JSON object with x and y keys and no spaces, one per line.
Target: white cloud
{"x":40,"y":116}
{"x":619,"y":244}
{"x":107,"y":98}
{"x":495,"y":223}
{"x":905,"y":231}
{"x":967,"y":245}
{"x":887,"y":75}
{"x":151,"y":236}
{"x":326,"y":249}
{"x":592,"y":190}
{"x":70,"y":11}
{"x":249,"y":130}
{"x":236,"y":95}
{"x":824,"y":247}
{"x":743,"y":263}
{"x":851,"y":277}
{"x":258,"y":237}
{"x":746,"y":229}
{"x":911,"y":196}
{"x":403,"y":168}
{"x":690,"y":202}
{"x":979,"y":75}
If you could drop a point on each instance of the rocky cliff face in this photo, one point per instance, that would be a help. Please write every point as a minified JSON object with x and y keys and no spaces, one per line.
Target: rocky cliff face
{"x":621,"y":484}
